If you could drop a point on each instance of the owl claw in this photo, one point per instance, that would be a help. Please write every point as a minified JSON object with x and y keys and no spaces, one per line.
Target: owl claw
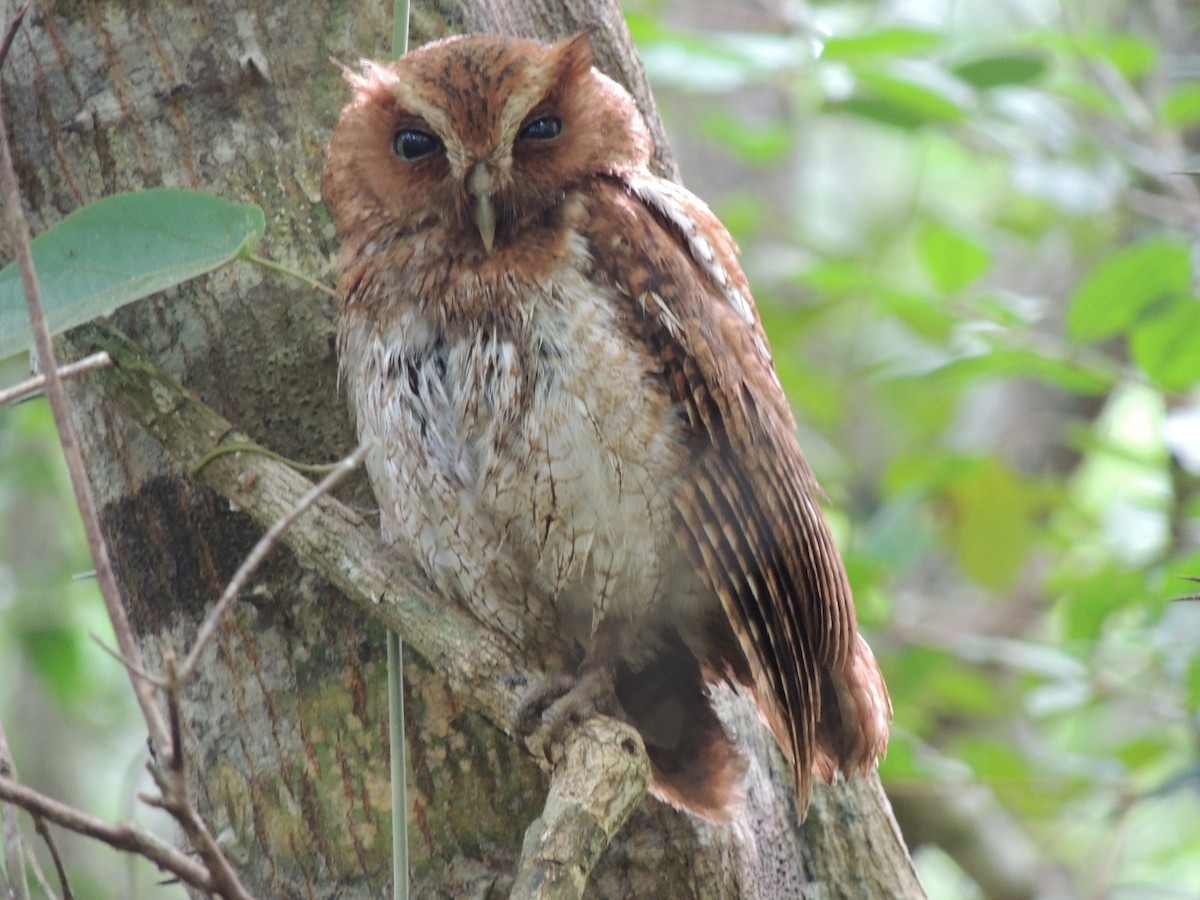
{"x":554,"y":706}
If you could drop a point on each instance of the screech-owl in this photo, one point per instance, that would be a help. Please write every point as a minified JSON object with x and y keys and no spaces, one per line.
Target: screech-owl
{"x":575,"y":409}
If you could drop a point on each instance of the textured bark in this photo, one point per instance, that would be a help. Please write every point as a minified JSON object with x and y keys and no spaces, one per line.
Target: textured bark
{"x":286,"y":724}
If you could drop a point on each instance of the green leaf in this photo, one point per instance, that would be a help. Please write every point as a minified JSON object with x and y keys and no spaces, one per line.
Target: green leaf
{"x":1001,"y":361}
{"x":1131,"y":56}
{"x":1086,"y":602}
{"x":756,"y":143}
{"x":901,"y":101}
{"x":1167,"y":346}
{"x":1145,"y":752}
{"x":992,"y":762}
{"x":54,"y":654}
{"x":922,"y":315}
{"x":1115,"y":292}
{"x":885,"y":42}
{"x":991,"y":521}
{"x":123,"y":248}
{"x":998,"y":70}
{"x":951,"y":259}
{"x":1192,"y":683}
{"x":902,"y":762}
{"x":1181,"y":108}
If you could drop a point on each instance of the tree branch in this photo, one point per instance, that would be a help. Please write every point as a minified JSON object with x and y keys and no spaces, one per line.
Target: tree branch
{"x":37,"y":382}
{"x":602,"y":776}
{"x":264,"y":546}
{"x":121,"y":837}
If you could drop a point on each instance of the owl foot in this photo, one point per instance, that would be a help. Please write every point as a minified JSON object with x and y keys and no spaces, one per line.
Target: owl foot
{"x":554,"y":706}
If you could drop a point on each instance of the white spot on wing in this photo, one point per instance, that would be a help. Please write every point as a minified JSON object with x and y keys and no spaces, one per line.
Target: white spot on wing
{"x":667,"y":315}
{"x":650,"y":192}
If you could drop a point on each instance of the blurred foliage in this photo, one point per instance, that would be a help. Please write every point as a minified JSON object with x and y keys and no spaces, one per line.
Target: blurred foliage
{"x":971,"y":239}
{"x":68,"y":713}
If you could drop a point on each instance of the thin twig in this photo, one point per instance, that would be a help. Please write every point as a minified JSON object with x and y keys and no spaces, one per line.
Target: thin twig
{"x":176,"y":798}
{"x":32,"y":860}
{"x":43,"y":830}
{"x":57,"y":395}
{"x":158,"y":682}
{"x":250,"y":447}
{"x":121,"y":837}
{"x":176,"y":759}
{"x":34,"y":384}
{"x":11,"y":31}
{"x":17,"y":850}
{"x":284,"y":270}
{"x":14,"y":859}
{"x":264,"y":546}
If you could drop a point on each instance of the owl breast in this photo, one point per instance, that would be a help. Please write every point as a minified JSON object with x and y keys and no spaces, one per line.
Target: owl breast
{"x":521,"y":444}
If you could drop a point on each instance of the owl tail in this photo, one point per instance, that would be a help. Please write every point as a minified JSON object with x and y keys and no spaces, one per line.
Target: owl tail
{"x":694,"y":763}
{"x":855,"y":712}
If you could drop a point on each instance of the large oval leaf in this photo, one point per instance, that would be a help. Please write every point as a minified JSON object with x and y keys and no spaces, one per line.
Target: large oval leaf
{"x":120,"y":249}
{"x":1167,"y":345}
{"x":1003,"y":69}
{"x":1119,"y":288}
{"x":884,"y":42}
{"x":951,"y":259}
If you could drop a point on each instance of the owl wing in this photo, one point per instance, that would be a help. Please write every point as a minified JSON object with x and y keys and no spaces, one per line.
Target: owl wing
{"x":746,"y":510}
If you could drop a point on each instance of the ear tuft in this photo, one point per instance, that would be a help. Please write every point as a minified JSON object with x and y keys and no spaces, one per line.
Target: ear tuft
{"x":369,"y":77}
{"x":574,"y":55}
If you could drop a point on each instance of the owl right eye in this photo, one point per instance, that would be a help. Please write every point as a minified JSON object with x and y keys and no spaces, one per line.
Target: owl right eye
{"x":412,"y":145}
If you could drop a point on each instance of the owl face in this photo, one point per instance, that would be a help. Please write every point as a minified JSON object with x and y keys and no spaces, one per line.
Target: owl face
{"x":477,"y":137}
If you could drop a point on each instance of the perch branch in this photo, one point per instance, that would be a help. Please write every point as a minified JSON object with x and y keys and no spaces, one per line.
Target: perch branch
{"x":600,"y":779}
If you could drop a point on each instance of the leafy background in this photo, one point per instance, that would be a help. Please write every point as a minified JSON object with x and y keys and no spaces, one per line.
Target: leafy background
{"x":968,"y":225}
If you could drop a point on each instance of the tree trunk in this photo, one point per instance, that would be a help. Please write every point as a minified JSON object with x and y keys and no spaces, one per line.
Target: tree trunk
{"x":286,"y":725}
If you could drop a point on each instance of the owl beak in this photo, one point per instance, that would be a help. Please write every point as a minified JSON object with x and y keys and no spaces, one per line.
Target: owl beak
{"x":483,"y":211}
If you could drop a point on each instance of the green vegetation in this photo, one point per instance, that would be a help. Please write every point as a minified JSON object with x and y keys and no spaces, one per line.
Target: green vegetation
{"x":967,"y":228}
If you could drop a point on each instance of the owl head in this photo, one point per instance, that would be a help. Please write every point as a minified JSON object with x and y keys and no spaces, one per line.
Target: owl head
{"x":480,"y":135}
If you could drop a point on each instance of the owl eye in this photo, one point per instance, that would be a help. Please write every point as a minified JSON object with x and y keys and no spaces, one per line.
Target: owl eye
{"x":547,"y":128}
{"x":410,"y":144}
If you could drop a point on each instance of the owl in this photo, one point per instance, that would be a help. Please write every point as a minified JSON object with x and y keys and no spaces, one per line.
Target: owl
{"x":575,"y":419}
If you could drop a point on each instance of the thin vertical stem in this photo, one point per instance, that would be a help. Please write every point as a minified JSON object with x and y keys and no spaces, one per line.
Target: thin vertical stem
{"x":395,"y":661}
{"x":399,"y":28}
{"x":395,"y":648}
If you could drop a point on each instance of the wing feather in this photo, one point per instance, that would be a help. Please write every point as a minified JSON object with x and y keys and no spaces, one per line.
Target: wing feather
{"x":746,"y":511}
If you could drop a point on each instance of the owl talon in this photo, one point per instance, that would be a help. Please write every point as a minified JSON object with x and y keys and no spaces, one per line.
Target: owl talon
{"x":553,"y":707}
{"x":528,"y":714}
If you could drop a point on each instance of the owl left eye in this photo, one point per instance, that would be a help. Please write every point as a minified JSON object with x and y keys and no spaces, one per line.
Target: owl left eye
{"x":411,"y":145}
{"x":547,"y":128}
